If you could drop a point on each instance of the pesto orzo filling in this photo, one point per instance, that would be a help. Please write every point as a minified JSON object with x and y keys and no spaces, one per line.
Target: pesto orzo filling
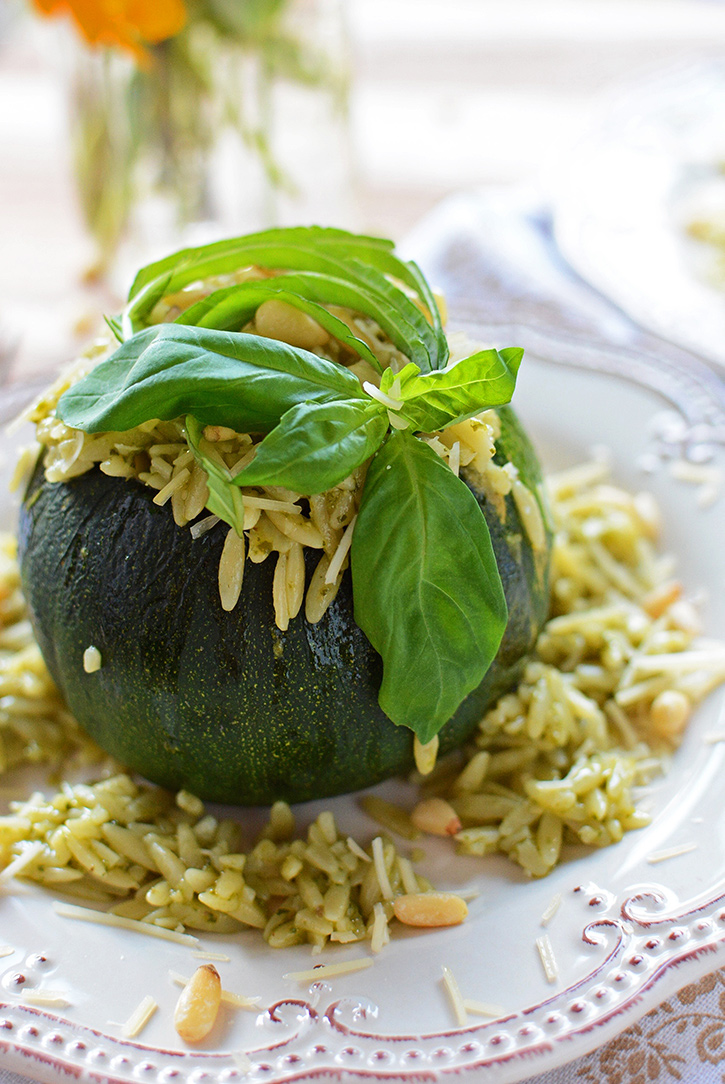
{"x":276,"y":520}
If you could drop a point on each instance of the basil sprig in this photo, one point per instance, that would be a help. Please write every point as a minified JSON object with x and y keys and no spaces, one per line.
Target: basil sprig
{"x":426,"y":587}
{"x":338,"y":436}
{"x":340,"y":268}
{"x":317,"y":445}
{"x":222,"y":378}
{"x":438,"y":399}
{"x":427,"y":591}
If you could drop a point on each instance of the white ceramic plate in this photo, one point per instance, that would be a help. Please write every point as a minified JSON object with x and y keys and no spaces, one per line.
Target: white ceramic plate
{"x":650,"y":163}
{"x":626,"y":936}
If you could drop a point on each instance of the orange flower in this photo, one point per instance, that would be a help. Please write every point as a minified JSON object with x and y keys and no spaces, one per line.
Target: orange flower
{"x":128,"y":24}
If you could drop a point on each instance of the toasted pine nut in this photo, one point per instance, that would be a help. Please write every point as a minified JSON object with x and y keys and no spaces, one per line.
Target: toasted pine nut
{"x":430,"y":909}
{"x":215,"y":433}
{"x":436,"y":816}
{"x":198,"y":1004}
{"x":277,"y":320}
{"x":661,"y":598}
{"x":670,"y":712}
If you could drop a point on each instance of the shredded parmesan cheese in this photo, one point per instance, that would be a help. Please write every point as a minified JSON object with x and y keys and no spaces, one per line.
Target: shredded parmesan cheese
{"x":270,"y":505}
{"x":139,"y":1018}
{"x":241,"y":1061}
{"x":680,"y":661}
{"x":483,"y":1008}
{"x":551,"y":909}
{"x":240,"y":1001}
{"x":380,"y":870}
{"x":407,"y":875}
{"x":380,"y":934}
{"x":6,"y":950}
{"x":202,"y":526}
{"x":548,"y":959}
{"x":46,"y":999}
{"x":219,"y":956}
{"x":454,"y":993}
{"x":177,"y":482}
{"x":357,"y":850}
{"x":340,"y":553}
{"x":696,"y":473}
{"x":104,"y":918}
{"x":672,"y":852}
{"x":328,"y":971}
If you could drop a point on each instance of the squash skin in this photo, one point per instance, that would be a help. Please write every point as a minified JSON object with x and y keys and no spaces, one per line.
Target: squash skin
{"x":225,"y":704}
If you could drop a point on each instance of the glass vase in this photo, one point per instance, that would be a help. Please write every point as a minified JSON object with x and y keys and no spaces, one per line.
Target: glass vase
{"x":228,"y":127}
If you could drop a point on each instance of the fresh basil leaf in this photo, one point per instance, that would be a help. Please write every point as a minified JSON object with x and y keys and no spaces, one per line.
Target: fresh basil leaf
{"x":419,"y":283}
{"x":225,"y":499}
{"x":264,"y":255}
{"x":242,"y":381}
{"x":114,"y":324}
{"x":402,"y":321}
{"x":386,"y":303}
{"x":273,"y":249}
{"x":154,"y":292}
{"x":438,"y":399}
{"x":360,"y":260}
{"x":231,"y":308}
{"x":329,"y":238}
{"x":317,"y":445}
{"x":426,"y":586}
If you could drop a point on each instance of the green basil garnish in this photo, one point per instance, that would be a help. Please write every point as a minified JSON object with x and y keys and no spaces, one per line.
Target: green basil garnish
{"x":364,"y":263}
{"x":317,"y":238}
{"x":317,"y":445}
{"x":438,"y":399}
{"x":426,"y":588}
{"x":231,"y":308}
{"x":427,"y":591}
{"x":242,"y":381}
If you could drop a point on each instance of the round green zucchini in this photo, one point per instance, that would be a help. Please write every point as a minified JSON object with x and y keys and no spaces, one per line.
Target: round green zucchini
{"x":225,"y":704}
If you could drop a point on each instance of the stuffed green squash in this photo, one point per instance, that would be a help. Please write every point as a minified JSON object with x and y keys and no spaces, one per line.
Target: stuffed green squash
{"x":286,"y":540}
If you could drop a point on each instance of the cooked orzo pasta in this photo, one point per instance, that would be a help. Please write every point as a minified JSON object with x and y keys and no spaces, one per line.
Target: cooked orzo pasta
{"x":277,"y":521}
{"x":617,"y":671}
{"x":559,"y":759}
